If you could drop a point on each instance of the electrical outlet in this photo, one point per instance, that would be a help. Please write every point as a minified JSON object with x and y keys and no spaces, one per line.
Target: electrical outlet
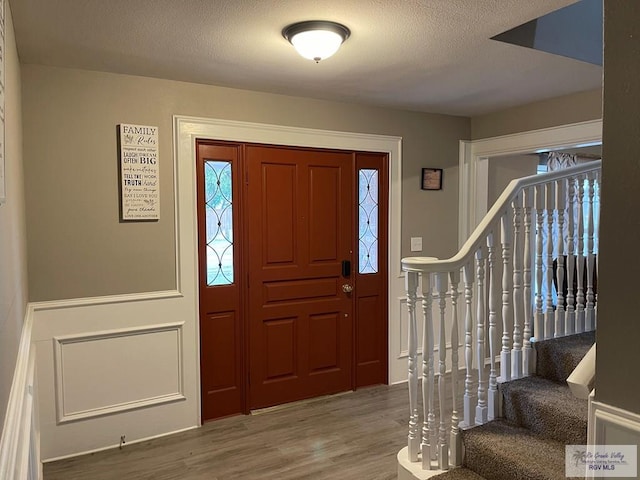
{"x":416,"y":244}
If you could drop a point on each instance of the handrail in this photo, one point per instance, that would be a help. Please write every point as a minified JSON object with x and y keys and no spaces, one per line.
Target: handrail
{"x":527,"y":273}
{"x":431,"y":265}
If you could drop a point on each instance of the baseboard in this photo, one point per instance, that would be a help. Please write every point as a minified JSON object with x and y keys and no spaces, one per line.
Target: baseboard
{"x":20,"y":444}
{"x":111,"y":447}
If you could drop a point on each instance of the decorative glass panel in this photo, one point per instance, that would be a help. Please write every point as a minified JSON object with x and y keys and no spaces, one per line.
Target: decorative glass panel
{"x":368,"y":221}
{"x":219,"y":222}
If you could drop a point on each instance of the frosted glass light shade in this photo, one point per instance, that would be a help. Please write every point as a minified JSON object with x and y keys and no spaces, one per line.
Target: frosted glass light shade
{"x":316,"y":40}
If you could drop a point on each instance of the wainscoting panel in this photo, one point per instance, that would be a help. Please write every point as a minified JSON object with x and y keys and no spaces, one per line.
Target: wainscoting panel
{"x":108,"y":372}
{"x":113,"y":367}
{"x":609,"y":425}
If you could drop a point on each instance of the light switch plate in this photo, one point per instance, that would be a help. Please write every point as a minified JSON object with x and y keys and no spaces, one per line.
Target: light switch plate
{"x":416,"y":244}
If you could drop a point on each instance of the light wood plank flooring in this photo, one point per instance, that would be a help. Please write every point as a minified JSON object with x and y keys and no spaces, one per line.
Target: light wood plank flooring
{"x":351,"y":436}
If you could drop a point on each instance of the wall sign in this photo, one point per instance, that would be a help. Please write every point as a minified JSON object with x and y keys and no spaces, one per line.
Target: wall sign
{"x":139,"y":169}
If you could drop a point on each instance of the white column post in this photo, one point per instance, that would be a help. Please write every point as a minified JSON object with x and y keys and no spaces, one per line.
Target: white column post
{"x":561,"y":201}
{"x":538,"y":327}
{"x":411,"y":284}
{"x":507,"y":289}
{"x":580,"y":298}
{"x":443,"y":443}
{"x":590,"y":312}
{"x":528,"y":304}
{"x":481,"y":408}
{"x":570,"y":315}
{"x":518,"y":295}
{"x":549,"y":317}
{"x":493,"y":400}
{"x":428,"y":446}
{"x":456,"y":438}
{"x":469,"y":390}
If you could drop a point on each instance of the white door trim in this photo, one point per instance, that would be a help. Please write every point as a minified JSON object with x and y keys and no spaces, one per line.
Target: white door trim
{"x":474,"y":163}
{"x":188,"y":129}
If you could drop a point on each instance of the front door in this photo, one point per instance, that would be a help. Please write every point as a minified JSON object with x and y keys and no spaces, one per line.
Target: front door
{"x":293,"y":273}
{"x":300,"y":247}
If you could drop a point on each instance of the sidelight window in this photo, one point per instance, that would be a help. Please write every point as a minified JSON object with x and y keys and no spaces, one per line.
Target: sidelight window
{"x":368,"y":221}
{"x":219,"y":222}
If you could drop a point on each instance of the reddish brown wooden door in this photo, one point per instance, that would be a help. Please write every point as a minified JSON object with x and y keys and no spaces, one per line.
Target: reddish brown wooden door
{"x":220,"y":281}
{"x":274,"y":227}
{"x":300,"y":230}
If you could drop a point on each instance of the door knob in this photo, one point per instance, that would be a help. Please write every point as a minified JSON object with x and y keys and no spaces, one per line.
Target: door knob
{"x":346,"y":288}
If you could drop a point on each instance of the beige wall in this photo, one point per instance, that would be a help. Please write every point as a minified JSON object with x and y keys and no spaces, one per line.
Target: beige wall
{"x":13,"y":243}
{"x":618,"y":334}
{"x":574,"y":108}
{"x":78,"y":247}
{"x":504,"y":169}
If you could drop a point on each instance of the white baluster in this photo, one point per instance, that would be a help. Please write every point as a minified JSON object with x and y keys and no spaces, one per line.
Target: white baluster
{"x":507,"y":289}
{"x":469,"y":387}
{"x":443,"y":445}
{"x":570,"y":316}
{"x":561,"y":193}
{"x":596,"y":234}
{"x":590,"y":313}
{"x":493,"y":399}
{"x":528,"y":306}
{"x":411,"y":284}
{"x":518,"y":299}
{"x":580,"y":298}
{"x":481,"y":408}
{"x":549,"y":316}
{"x":538,"y":327}
{"x":428,"y":447}
{"x":456,"y":438}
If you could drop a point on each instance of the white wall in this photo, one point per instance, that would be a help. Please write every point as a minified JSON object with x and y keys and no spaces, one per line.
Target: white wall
{"x":13,"y":264}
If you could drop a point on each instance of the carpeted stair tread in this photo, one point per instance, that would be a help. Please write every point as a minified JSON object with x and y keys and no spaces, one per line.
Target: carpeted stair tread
{"x":501,"y":451}
{"x":546,"y":408}
{"x":557,"y":357}
{"x":459,"y":474}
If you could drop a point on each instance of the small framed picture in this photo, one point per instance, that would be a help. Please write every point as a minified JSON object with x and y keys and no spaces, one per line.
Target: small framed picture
{"x":431,"y":179}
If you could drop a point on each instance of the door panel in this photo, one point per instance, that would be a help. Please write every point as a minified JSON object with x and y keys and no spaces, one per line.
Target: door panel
{"x":324,"y":230}
{"x":371,"y":270}
{"x":220,"y":286}
{"x":300,"y":320}
{"x":279,"y":212}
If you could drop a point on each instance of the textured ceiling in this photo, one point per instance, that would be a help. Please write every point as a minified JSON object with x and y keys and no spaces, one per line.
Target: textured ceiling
{"x":424,"y":55}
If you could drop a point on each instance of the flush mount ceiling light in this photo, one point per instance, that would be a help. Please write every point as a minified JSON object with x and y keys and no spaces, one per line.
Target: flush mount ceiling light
{"x":316,"y":39}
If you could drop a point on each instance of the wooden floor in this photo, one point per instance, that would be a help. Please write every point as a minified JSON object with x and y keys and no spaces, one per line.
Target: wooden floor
{"x":356,"y":436}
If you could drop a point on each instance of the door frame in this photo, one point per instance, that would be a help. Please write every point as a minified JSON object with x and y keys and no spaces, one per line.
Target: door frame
{"x":187,"y":129}
{"x":474,"y":163}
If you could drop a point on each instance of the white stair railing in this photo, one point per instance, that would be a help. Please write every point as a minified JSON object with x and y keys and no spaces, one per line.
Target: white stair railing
{"x":527,"y":273}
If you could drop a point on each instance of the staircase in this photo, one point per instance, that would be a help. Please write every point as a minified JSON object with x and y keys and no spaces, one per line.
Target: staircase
{"x":540,"y":417}
{"x":504,"y":322}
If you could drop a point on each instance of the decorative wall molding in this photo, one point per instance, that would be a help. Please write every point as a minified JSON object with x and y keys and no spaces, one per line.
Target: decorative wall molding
{"x":19,"y":444}
{"x":609,"y":425}
{"x":63,"y":371}
{"x":104,"y":300}
{"x":474,"y":165}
